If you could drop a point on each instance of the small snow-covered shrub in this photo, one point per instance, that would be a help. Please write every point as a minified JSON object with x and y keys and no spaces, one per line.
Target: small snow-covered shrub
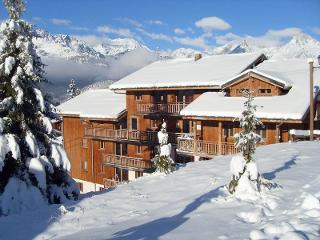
{"x":244,"y":170}
{"x":163,"y":161}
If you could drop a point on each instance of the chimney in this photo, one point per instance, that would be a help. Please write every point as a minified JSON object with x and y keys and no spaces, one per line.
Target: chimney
{"x":197,"y":56}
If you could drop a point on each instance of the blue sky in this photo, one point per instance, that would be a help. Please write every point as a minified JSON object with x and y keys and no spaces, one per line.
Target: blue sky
{"x":170,"y":24}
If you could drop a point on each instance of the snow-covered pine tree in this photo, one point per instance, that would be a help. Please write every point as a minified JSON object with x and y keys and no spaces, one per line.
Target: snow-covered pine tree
{"x":33,"y":164}
{"x":73,"y":90}
{"x":244,"y":168}
{"x":163,"y":161}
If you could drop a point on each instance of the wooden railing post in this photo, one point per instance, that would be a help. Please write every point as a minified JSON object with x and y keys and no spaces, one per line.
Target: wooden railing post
{"x":220,"y":138}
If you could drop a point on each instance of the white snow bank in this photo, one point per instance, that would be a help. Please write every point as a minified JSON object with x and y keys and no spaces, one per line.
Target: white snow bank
{"x":18,"y":197}
{"x":189,"y":204}
{"x":311,"y":202}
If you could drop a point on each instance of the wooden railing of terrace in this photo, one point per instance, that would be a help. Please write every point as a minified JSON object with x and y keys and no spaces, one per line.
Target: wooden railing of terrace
{"x":127,"y":162}
{"x":128,"y":135}
{"x":169,"y":108}
{"x":204,"y":148}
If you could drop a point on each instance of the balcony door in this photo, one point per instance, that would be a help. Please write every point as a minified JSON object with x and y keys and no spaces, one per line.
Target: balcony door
{"x":160,"y":97}
{"x":185,"y":96}
{"x":121,"y":174}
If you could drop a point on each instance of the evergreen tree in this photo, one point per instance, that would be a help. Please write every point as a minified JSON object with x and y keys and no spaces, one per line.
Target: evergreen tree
{"x":33,"y":164}
{"x":163,"y":161}
{"x":73,"y":90}
{"x":244,"y":167}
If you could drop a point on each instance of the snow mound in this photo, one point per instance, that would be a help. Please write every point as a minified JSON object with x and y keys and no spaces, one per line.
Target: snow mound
{"x":311,"y":202}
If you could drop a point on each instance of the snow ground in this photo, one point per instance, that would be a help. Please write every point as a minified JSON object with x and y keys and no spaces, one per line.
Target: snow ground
{"x":190,"y":204}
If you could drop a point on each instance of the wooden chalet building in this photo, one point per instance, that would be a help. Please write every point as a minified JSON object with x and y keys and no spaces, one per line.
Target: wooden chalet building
{"x":111,"y":137}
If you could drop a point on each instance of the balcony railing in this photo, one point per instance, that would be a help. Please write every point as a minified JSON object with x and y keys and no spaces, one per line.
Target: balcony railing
{"x":204,"y":148}
{"x":128,"y":135}
{"x":120,"y":134}
{"x":111,"y":183}
{"x":170,"y":108}
{"x":127,"y":162}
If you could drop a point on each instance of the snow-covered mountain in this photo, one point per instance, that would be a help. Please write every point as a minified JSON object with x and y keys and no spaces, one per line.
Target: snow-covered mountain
{"x":301,"y":45}
{"x":183,"y":53}
{"x":68,"y":57}
{"x":72,"y":48}
{"x":118,"y":46}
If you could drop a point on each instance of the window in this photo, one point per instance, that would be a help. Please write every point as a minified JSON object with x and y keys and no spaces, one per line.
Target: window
{"x":228,"y":131}
{"x":121,"y":149}
{"x":84,"y":143}
{"x":160,"y":97}
{"x":118,"y":149}
{"x":262,"y":131}
{"x":264,"y":91}
{"x":134,"y":123}
{"x":186,"y":126}
{"x":124,"y":149}
{"x":101,"y":145}
{"x":101,"y":170}
{"x":154,"y":123}
{"x":84,"y":165}
{"x":139,"y":149}
{"x":138,"y":174}
{"x":241,"y":90}
{"x":138,"y":97}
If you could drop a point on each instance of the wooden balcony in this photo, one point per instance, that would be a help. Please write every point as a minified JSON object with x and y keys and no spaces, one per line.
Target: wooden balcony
{"x":129,"y":163}
{"x":204,"y":148}
{"x":120,"y":134}
{"x":160,"y":108}
{"x":128,"y":135}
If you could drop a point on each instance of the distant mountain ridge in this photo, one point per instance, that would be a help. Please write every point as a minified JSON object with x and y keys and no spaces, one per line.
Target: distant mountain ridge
{"x":300,"y":45}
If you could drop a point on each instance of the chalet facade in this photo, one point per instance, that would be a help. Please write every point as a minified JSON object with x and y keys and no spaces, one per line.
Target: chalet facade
{"x":199,"y":99}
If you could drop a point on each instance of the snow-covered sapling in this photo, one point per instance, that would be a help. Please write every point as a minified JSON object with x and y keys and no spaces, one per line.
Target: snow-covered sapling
{"x":245,"y":175}
{"x":72,"y":90}
{"x":33,"y":164}
{"x":163,"y":160}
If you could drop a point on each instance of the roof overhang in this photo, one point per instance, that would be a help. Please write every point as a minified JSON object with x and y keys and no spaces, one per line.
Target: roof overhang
{"x":232,"y":119}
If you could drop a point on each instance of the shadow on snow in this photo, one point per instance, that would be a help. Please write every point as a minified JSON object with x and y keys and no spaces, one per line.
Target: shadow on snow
{"x":162,"y":226}
{"x":287,"y":165}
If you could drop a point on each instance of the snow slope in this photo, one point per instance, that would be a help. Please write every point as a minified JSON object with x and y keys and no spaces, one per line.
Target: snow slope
{"x":190,"y":204}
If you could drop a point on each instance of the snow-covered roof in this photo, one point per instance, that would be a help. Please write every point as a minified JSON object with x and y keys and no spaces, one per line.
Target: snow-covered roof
{"x":272,"y":79}
{"x":291,"y":106}
{"x":95,"y":103}
{"x":208,"y":71}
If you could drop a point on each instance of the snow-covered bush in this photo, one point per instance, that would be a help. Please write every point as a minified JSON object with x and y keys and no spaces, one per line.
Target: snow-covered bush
{"x":163,"y":161}
{"x":33,"y":164}
{"x":245,"y":175}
